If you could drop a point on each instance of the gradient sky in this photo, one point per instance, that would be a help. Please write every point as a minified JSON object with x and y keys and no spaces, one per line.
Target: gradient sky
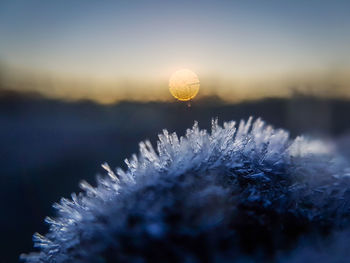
{"x":145,"y":41}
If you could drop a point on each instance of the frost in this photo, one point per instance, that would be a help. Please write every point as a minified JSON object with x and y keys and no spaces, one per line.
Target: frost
{"x":237,"y":192}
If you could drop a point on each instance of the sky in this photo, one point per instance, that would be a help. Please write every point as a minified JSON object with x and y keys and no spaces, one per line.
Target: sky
{"x":115,"y":50}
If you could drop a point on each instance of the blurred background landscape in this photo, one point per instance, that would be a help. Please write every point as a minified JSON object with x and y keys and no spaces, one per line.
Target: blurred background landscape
{"x":48,"y":146}
{"x":83,"y":82}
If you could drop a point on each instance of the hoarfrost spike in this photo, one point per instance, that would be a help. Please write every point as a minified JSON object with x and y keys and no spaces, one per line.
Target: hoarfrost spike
{"x":200,"y":197}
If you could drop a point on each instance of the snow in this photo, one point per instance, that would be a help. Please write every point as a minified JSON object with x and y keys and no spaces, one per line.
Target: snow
{"x":200,"y":187}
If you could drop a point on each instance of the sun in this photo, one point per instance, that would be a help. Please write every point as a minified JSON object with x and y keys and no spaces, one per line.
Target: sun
{"x":184,"y":84}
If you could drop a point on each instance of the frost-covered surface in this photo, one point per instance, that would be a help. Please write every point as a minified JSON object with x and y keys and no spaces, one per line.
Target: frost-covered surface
{"x":234,"y":194}
{"x":334,"y":249}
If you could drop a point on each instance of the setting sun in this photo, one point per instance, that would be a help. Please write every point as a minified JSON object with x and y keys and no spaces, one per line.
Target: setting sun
{"x":184,"y":84}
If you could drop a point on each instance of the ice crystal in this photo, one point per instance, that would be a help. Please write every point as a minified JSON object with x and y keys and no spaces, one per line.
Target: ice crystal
{"x":232,"y":194}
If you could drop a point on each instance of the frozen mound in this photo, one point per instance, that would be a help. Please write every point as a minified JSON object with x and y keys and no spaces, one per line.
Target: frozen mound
{"x":233,"y":195}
